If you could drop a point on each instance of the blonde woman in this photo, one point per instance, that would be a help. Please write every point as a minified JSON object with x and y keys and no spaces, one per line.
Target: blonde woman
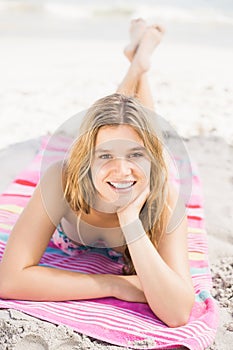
{"x":112,"y":189}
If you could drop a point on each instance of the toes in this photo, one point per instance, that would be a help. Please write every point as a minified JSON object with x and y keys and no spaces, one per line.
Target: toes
{"x":138,"y":20}
{"x":159,"y":28}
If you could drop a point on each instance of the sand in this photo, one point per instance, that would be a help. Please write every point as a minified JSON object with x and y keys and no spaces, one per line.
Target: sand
{"x":47,"y":78}
{"x":19,"y":331}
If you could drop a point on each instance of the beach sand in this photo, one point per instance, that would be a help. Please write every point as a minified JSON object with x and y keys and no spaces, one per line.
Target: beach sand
{"x":47,"y":78}
{"x":19,"y":331}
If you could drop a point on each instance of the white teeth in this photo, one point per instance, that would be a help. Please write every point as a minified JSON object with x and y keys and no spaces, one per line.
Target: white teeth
{"x":122,"y":184}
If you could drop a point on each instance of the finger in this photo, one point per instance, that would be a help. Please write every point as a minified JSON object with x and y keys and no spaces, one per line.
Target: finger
{"x":142,"y":197}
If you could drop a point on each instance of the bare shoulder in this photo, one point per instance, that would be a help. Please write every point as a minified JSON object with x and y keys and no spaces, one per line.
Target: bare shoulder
{"x":51,"y":188}
{"x":172,"y":195}
{"x":37,"y":222}
{"x":54,"y":172}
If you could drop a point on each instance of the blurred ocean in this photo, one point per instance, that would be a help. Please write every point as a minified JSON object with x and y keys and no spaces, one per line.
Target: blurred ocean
{"x":48,"y":46}
{"x":208,"y":11}
{"x":201,"y":22}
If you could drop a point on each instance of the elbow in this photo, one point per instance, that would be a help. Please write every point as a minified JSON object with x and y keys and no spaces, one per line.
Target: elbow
{"x":178,"y":322}
{"x":177,"y":315}
{"x":183,"y":318}
{"x":7,"y":286}
{"x":4,"y":290}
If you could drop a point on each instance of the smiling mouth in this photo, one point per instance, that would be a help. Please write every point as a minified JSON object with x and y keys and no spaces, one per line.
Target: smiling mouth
{"x":121,"y":185}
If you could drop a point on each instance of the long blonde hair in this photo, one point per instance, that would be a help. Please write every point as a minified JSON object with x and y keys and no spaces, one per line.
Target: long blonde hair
{"x":113,"y":110}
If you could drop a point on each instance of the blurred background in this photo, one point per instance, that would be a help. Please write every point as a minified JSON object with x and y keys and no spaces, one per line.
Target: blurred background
{"x":58,"y":56}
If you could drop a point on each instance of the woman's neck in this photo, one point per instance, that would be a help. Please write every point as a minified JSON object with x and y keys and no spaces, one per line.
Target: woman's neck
{"x":102,"y":215}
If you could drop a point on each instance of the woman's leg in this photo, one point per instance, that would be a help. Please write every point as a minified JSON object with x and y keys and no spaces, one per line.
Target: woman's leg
{"x":142,"y":44}
{"x":129,"y":84}
{"x":143,"y":92}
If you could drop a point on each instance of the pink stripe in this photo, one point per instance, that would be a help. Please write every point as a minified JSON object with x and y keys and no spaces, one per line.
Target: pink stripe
{"x":24,"y":182}
{"x":114,"y":320}
{"x":19,"y":201}
{"x":16,"y":195}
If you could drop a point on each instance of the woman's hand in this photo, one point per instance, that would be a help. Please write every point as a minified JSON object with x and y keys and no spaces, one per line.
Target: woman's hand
{"x":130,"y":212}
{"x":129,"y":288}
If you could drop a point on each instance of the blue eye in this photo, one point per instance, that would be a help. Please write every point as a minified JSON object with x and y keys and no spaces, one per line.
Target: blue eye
{"x":136,"y":155}
{"x":105,"y":156}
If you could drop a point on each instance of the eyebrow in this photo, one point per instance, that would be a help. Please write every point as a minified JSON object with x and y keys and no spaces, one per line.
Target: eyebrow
{"x":102,"y":150}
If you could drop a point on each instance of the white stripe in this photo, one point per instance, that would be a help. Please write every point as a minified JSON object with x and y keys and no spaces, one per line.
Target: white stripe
{"x":106,"y":326}
{"x":84,"y":316}
{"x":91,"y":269}
{"x":15,"y":188}
{"x":195,"y":212}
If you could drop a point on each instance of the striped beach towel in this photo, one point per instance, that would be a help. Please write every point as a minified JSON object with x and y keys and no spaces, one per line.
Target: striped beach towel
{"x":118,"y":322}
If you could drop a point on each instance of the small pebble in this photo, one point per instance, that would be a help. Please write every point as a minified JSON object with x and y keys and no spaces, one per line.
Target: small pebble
{"x":222,"y":278}
{"x":230,"y":327}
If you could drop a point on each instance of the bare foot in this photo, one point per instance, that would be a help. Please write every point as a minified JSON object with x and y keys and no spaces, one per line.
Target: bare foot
{"x":150,"y":39}
{"x":137,"y":29}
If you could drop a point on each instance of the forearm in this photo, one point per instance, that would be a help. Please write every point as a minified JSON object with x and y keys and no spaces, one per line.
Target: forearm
{"x":40,"y":283}
{"x":168,"y":295}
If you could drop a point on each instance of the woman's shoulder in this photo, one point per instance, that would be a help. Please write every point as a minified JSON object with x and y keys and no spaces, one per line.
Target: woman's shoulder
{"x":55,"y":172}
{"x":52,"y":185}
{"x":172,"y":193}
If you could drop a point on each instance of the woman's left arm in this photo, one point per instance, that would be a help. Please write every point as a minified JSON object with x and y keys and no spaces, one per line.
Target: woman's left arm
{"x":163,"y":273}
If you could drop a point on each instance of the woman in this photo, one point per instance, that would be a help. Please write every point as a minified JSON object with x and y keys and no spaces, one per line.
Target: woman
{"x":113,"y":189}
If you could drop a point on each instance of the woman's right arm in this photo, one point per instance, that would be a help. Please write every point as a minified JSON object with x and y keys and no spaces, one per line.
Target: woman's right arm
{"x":20,"y":275}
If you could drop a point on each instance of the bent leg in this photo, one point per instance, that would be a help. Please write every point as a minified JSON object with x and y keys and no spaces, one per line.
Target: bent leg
{"x":144,"y":93}
{"x":143,"y":42}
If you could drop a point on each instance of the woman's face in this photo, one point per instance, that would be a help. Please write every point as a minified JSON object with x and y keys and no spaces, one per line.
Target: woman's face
{"x":120,"y":168}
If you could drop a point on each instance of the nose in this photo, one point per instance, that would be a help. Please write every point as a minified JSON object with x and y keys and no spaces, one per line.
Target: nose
{"x":122,"y":167}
